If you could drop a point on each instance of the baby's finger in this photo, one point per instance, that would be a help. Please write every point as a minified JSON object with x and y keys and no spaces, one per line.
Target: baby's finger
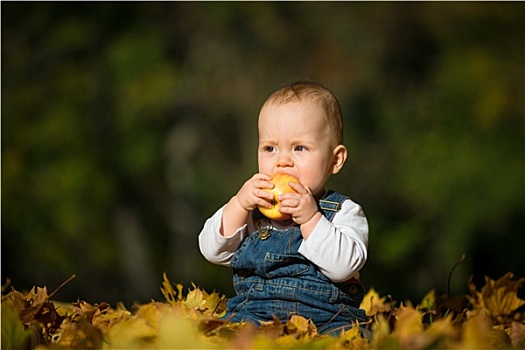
{"x":261,"y":193}
{"x":263,"y":184}
{"x":283,"y":197}
{"x":263,"y":203}
{"x":297,"y":187}
{"x":262,"y":176}
{"x":289,"y":202}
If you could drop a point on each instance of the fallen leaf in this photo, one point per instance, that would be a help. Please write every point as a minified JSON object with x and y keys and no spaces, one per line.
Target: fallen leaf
{"x":14,"y":336}
{"x":517,"y":335}
{"x":372,"y":303}
{"x":478,"y":333}
{"x":498,"y":298}
{"x":408,"y":324}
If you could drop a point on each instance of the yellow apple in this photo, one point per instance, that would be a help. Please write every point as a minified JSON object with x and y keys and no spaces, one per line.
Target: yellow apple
{"x":280,"y":181}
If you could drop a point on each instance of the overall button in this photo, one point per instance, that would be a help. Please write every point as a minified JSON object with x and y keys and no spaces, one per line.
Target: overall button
{"x":264,"y":232}
{"x":353,"y":290}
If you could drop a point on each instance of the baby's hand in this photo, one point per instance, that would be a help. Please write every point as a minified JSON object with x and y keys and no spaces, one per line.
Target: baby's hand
{"x":252,"y":193}
{"x":301,"y":205}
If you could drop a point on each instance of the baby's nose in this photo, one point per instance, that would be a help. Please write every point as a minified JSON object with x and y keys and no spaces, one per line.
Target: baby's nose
{"x":284,"y":160}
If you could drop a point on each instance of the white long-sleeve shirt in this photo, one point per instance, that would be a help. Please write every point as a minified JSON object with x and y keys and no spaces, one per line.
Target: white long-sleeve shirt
{"x":337,"y":247}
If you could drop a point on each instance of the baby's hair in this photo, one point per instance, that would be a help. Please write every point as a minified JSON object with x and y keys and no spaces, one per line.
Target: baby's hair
{"x":307,"y":90}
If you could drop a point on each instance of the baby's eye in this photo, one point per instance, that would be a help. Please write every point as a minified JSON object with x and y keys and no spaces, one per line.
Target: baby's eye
{"x":268,"y":148}
{"x":300,"y":148}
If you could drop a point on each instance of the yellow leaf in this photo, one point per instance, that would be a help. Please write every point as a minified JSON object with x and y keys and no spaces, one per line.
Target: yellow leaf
{"x":13,"y":334}
{"x":107,"y":319}
{"x":442,"y":328}
{"x":168,"y":292}
{"x":300,"y":326}
{"x":381,"y":336}
{"x":498,"y":298}
{"x":136,"y":333}
{"x":478,"y":333}
{"x":428,"y":301}
{"x":175,"y":332}
{"x":194,"y":299}
{"x":300,"y":323}
{"x":353,"y":339}
{"x":372,"y":303}
{"x":287,"y":342}
{"x":408,"y":323}
{"x":179,"y":289}
{"x":156,"y":326}
{"x":213,"y":303}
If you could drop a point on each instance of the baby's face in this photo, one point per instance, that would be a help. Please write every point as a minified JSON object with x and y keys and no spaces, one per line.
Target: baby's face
{"x":294,"y":139}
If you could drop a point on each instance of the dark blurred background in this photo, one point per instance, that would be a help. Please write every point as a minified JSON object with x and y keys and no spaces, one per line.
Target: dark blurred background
{"x":126,"y":124}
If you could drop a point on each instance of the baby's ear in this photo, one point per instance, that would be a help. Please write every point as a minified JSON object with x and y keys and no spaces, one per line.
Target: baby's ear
{"x":339,"y":158}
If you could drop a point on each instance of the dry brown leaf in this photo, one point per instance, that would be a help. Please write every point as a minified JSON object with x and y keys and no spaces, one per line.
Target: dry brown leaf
{"x":192,"y":321}
{"x":499,"y":298}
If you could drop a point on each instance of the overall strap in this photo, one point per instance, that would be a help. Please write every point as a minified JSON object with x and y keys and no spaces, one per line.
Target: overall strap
{"x":331,"y":204}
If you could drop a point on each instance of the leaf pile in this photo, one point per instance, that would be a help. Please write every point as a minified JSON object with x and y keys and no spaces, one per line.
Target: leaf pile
{"x":491,"y":318}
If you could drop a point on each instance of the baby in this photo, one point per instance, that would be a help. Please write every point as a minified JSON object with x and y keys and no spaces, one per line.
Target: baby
{"x":307,"y":264}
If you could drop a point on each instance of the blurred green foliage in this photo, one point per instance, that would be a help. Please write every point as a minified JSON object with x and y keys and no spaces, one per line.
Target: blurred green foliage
{"x":125,"y":125}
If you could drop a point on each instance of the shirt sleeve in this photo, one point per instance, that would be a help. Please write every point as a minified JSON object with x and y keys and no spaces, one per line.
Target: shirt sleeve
{"x":215,"y":247}
{"x":340,"y":247}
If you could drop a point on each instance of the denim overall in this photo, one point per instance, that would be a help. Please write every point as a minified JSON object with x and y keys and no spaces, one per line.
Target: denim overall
{"x":272,"y":278}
